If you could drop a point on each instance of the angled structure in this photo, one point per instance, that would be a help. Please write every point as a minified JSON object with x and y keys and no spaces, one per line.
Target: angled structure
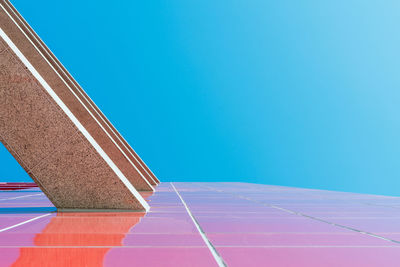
{"x":56,"y":132}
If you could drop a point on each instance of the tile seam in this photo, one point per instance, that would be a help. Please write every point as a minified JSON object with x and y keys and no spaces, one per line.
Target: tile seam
{"x":24,"y":222}
{"x":184,"y":246}
{"x":210,"y":246}
{"x":11,"y":198}
{"x":313,"y":218}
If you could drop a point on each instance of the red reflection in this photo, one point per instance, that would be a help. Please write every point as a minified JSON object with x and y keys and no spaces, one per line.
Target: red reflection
{"x":16,"y":186}
{"x":69,"y":234}
{"x":146,"y":195}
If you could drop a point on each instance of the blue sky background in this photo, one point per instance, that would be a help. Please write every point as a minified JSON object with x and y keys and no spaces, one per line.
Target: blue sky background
{"x":297,"y":93}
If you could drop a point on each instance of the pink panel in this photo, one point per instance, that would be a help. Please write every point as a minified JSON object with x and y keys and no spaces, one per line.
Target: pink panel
{"x":159,"y":257}
{"x":312,"y":257}
{"x":168,"y":240}
{"x":249,"y":225}
{"x":295,"y":239}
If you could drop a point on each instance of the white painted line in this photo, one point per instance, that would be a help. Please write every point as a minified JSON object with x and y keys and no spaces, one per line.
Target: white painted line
{"x":321,"y":220}
{"x":213,"y":251}
{"x":24,"y":222}
{"x":22,"y":196}
{"x":307,"y":216}
{"x":185,"y":246}
{"x":72,"y":117}
{"x":83,"y":95}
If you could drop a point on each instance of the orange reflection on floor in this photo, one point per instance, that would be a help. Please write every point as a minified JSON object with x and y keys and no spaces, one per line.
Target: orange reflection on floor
{"x":64,"y":240}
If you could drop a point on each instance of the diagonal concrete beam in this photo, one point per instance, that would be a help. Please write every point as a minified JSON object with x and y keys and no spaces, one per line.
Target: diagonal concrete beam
{"x":55,"y":133}
{"x":102,"y":119}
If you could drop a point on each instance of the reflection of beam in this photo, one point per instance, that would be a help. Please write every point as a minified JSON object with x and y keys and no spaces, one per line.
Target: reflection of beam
{"x":69,"y":235}
{"x":56,"y":134}
{"x":81,"y":94}
{"x":16,"y":186}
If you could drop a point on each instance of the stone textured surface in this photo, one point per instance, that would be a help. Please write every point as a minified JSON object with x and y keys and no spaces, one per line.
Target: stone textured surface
{"x":48,"y":145}
{"x":86,"y":171}
{"x":30,"y":122}
{"x":80,"y":93}
{"x":62,"y":162}
{"x":44,"y":62}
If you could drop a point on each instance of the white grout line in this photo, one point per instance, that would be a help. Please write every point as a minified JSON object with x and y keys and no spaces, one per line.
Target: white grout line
{"x":24,"y":222}
{"x":213,"y":251}
{"x":74,"y":120}
{"x":308,"y":216}
{"x":22,"y":196}
{"x":322,"y":220}
{"x":83,"y":95}
{"x":185,"y":246}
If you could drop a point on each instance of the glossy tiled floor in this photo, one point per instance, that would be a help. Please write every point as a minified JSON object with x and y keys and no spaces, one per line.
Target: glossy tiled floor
{"x":201,"y":224}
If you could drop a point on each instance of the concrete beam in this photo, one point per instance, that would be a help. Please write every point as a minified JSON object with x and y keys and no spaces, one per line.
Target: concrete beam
{"x":56,"y":132}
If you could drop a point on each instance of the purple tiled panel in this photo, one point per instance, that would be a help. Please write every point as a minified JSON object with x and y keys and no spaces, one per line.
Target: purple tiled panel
{"x":245,"y":225}
{"x":260,"y":225}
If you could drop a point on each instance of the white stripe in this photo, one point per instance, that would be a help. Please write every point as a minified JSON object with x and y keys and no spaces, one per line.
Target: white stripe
{"x":234,"y":246}
{"x":79,"y":100}
{"x":22,"y":196}
{"x":21,"y":223}
{"x":93,"y":142}
{"x":215,"y":254}
{"x":82,"y":96}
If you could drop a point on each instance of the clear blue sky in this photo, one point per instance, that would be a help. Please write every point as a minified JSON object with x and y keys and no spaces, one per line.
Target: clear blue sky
{"x":298,"y":93}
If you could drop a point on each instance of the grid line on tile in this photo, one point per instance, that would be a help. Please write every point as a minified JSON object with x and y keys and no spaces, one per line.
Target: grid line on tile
{"x":210,"y":246}
{"x":311,"y":217}
{"x":11,"y":198}
{"x":24,"y":222}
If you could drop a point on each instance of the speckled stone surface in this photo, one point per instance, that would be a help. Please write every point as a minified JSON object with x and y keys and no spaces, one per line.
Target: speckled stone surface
{"x":80,"y":93}
{"x":85,"y":169}
{"x":53,"y":152}
{"x":31,"y":123}
{"x":75,"y":98}
{"x":45,"y":141}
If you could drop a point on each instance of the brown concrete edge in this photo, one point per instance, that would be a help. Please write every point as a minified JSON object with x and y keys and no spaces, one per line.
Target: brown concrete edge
{"x":111,"y":148}
{"x":114,"y":195}
{"x":134,"y":157}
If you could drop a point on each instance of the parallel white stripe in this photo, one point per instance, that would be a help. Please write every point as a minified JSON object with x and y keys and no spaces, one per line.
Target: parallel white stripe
{"x":215,"y":254}
{"x":22,"y":196}
{"x":238,"y":246}
{"x":307,"y":216}
{"x":24,"y":222}
{"x":83,"y":95}
{"x":72,"y":117}
{"x":79,"y":100}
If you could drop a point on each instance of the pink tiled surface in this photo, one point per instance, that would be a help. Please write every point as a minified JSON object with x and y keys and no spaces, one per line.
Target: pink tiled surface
{"x":247,"y":225}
